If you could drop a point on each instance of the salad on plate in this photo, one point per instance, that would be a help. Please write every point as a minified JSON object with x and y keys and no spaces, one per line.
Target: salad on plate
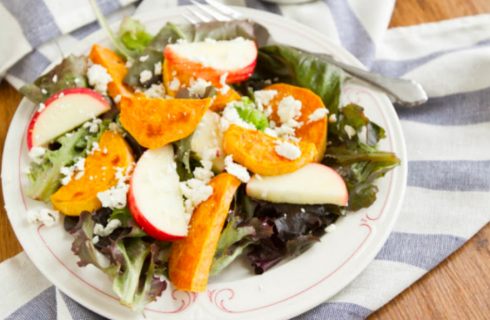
{"x":173,"y":154}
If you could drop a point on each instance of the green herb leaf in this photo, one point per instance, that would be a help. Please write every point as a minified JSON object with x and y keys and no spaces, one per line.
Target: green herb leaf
{"x":70,"y":73}
{"x":247,"y":111}
{"x":133,"y":34}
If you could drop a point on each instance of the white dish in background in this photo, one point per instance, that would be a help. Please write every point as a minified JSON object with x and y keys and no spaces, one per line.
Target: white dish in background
{"x":284,"y":291}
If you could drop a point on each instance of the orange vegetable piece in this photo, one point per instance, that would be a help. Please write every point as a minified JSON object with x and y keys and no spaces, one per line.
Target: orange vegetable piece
{"x":191,"y":258}
{"x":100,"y":175}
{"x":115,"y":68}
{"x":255,"y":150}
{"x":156,"y":122}
{"x":316,"y":131}
{"x":170,"y":72}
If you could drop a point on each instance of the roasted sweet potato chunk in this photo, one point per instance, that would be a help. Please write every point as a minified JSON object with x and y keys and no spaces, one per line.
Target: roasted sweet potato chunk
{"x":156,"y":122}
{"x":115,"y":68}
{"x":255,"y":150}
{"x":99,"y":175}
{"x":170,"y":72}
{"x":314,"y":131}
{"x":191,"y":258}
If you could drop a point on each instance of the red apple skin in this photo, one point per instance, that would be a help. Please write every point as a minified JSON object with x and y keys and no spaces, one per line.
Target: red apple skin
{"x":207,"y":73}
{"x":143,"y":223}
{"x":55,"y":97}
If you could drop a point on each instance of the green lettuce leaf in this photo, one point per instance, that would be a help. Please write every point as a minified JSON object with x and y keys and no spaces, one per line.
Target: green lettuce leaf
{"x":70,"y":73}
{"x":296,"y":68}
{"x":242,"y":229}
{"x":121,"y":48}
{"x":133,"y":34}
{"x":131,"y":263}
{"x":192,"y":33}
{"x":182,"y":157}
{"x":358,"y":160}
{"x":45,"y":176}
{"x":247,"y":111}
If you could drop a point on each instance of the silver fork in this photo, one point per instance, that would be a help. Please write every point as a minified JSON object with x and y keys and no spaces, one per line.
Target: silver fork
{"x":405,"y":92}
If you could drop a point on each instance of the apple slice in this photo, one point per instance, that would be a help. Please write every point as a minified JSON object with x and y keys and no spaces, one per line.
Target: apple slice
{"x":208,"y":136}
{"x":211,"y":59}
{"x":313,"y":184}
{"x":63,"y":112}
{"x":154,"y":198}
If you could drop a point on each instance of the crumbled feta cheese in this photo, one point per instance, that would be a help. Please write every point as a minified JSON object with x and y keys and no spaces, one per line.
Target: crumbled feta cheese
{"x":95,"y":239}
{"x":144,"y":58}
{"x":158,"y":68}
{"x":180,"y":41}
{"x":156,"y":91}
{"x":350,"y":131}
{"x":98,"y":78}
{"x":332,"y":118}
{"x":195,"y":191}
{"x":331,"y":228}
{"x":263,"y":98}
{"x":270,"y":132}
{"x":26,"y":170}
{"x":145,"y":75}
{"x":128,"y":64}
{"x":174,"y":73}
{"x":69,"y":134}
{"x":287,"y":150}
{"x":105,"y":151}
{"x":209,"y":40}
{"x":230,"y":116}
{"x":36,"y":154}
{"x":55,"y":78}
{"x":68,"y":172}
{"x":198,"y":87}
{"x":303,"y":210}
{"x":115,"y":197}
{"x":95,"y":147}
{"x":237,"y":170}
{"x":93,"y":125}
{"x":224,"y":87}
{"x":61,"y":95}
{"x":46,"y":216}
{"x":43,"y":91}
{"x":42,"y":106}
{"x":319,"y":114}
{"x":117,"y":98}
{"x":174,"y":85}
{"x":289,"y":110}
{"x":109,"y":228}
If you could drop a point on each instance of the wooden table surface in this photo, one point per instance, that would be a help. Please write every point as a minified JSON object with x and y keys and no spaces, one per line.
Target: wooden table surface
{"x":459,"y":288}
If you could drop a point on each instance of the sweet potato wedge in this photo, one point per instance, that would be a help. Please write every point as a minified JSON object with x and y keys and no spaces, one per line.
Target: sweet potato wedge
{"x":156,"y":122}
{"x":100,"y":175}
{"x":191,"y":258}
{"x":170,"y":72}
{"x":115,"y":68}
{"x":255,"y":150}
{"x":315,"y":131}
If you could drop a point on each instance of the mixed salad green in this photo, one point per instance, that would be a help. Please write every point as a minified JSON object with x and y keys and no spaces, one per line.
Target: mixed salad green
{"x":267,"y":232}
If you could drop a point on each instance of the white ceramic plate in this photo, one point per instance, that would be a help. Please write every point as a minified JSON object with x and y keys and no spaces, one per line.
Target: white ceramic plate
{"x":283,"y":292}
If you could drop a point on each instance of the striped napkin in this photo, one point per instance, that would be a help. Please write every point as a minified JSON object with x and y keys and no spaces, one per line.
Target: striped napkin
{"x":447,"y":198}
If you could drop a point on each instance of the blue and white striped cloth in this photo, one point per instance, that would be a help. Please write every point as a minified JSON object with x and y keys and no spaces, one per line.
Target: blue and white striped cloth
{"x":448,"y":194}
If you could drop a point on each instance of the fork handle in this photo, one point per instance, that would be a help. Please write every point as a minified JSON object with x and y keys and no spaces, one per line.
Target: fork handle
{"x":408,"y":93}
